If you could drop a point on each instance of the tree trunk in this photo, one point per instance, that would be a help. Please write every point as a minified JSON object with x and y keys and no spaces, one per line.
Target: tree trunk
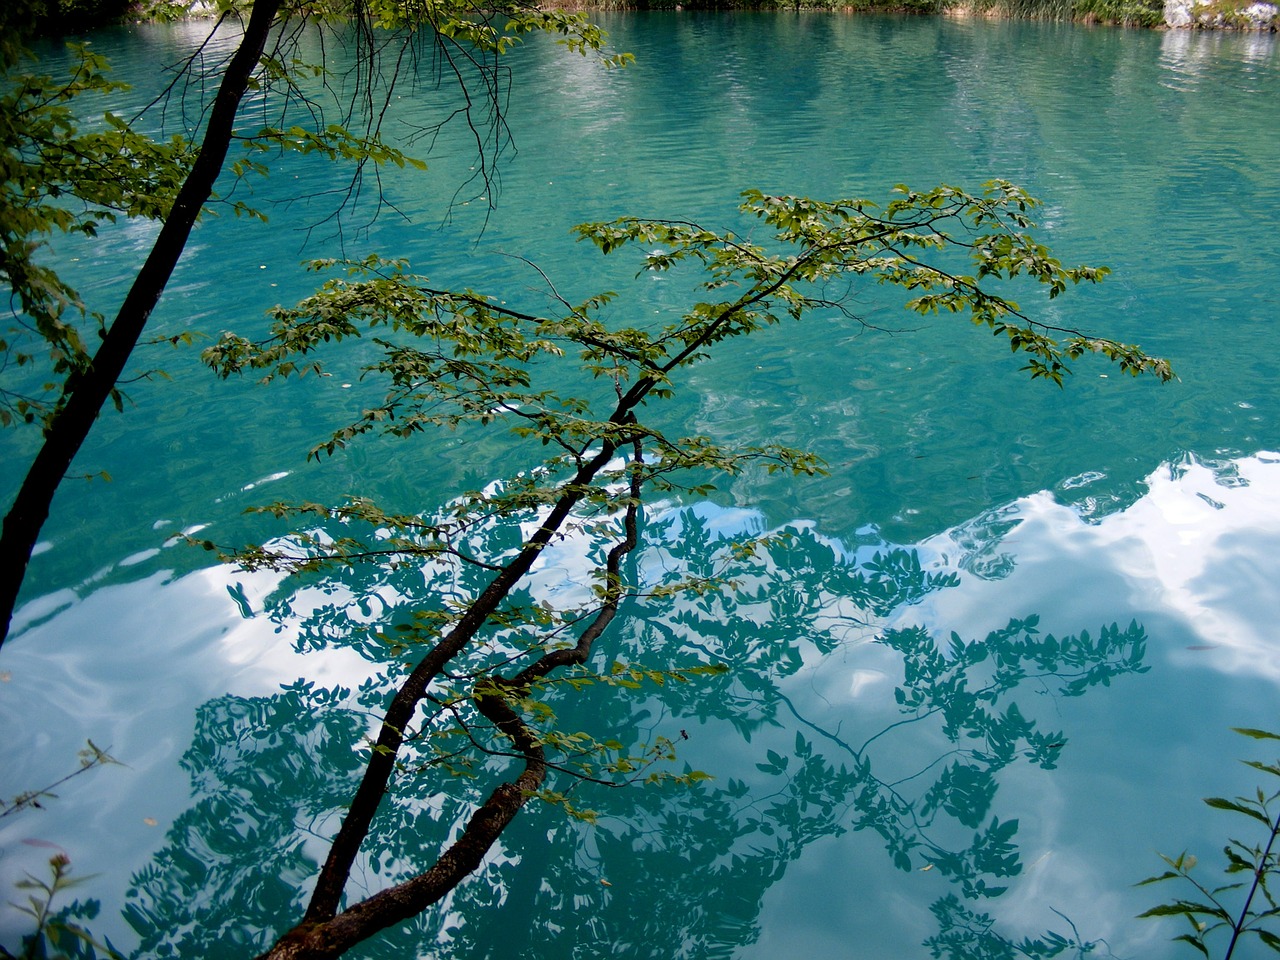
{"x":87,"y":394}
{"x":334,"y":936}
{"x":326,"y":933}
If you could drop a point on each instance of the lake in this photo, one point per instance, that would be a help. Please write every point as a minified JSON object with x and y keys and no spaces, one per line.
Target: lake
{"x":984,"y":680}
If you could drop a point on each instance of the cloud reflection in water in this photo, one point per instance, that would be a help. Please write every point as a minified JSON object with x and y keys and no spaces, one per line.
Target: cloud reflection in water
{"x":129,"y":664}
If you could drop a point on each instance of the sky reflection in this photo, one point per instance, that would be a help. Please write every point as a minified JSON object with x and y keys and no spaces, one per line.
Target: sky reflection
{"x":1198,"y":547}
{"x":129,"y":664}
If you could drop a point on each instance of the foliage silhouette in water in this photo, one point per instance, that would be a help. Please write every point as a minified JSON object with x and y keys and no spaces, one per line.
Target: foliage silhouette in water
{"x":704,"y":852}
{"x":576,"y":392}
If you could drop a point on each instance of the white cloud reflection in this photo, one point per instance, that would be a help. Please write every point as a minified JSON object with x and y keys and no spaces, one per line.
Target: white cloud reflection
{"x":1200,"y":547}
{"x":128,"y":665}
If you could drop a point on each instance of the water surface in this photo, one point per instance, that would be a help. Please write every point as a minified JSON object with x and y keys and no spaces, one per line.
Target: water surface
{"x":965,"y":509}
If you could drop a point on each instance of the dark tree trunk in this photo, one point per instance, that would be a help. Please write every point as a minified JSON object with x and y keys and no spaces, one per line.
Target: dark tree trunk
{"x":87,"y":394}
{"x":332,"y":938}
{"x":324,"y":932}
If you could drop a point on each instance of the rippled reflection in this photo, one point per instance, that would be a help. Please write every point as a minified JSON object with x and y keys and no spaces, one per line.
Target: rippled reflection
{"x":913,"y":751}
{"x":898,"y":719}
{"x":1199,"y":546}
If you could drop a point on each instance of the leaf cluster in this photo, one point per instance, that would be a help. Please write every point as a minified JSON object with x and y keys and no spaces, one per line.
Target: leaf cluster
{"x":454,"y":358}
{"x":478,"y":665}
{"x":57,"y":935}
{"x":63,"y":174}
{"x":61,"y":177}
{"x":1253,"y":862}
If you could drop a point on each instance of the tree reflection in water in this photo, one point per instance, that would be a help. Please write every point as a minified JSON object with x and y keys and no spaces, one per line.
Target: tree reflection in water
{"x":665,"y":870}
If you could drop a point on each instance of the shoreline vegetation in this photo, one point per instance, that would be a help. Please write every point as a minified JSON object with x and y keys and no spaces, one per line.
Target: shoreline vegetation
{"x":69,"y":16}
{"x":1247,"y":15}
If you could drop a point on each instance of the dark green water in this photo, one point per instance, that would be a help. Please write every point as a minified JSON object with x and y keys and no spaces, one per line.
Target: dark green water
{"x":962,"y":500}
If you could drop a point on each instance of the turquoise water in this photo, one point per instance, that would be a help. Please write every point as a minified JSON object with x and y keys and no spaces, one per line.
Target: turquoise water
{"x":961,"y":499}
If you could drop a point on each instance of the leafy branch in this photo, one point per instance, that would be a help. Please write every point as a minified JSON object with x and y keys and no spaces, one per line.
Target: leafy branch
{"x":457,"y":360}
{"x":55,"y":930}
{"x":1212,"y":914}
{"x":91,"y":756}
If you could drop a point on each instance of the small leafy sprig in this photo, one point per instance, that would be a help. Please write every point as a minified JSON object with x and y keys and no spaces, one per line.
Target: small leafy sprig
{"x":91,"y":756}
{"x":1211,"y":914}
{"x":54,"y":934}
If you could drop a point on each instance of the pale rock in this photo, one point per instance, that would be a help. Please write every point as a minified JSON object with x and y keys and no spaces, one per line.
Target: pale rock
{"x":1261,"y":13}
{"x":1191,"y":13}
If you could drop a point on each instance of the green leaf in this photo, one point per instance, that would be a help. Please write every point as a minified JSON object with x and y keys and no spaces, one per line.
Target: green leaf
{"x":1256,"y":734}
{"x":1221,"y":803}
{"x":1167,"y":875}
{"x":1269,"y":938}
{"x":1178,"y":909}
{"x":1195,"y":941}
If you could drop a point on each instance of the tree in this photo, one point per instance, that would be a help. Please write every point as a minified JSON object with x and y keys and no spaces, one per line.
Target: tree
{"x":55,"y":17}
{"x":59,"y":179}
{"x":90,"y":380}
{"x":474,"y":668}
